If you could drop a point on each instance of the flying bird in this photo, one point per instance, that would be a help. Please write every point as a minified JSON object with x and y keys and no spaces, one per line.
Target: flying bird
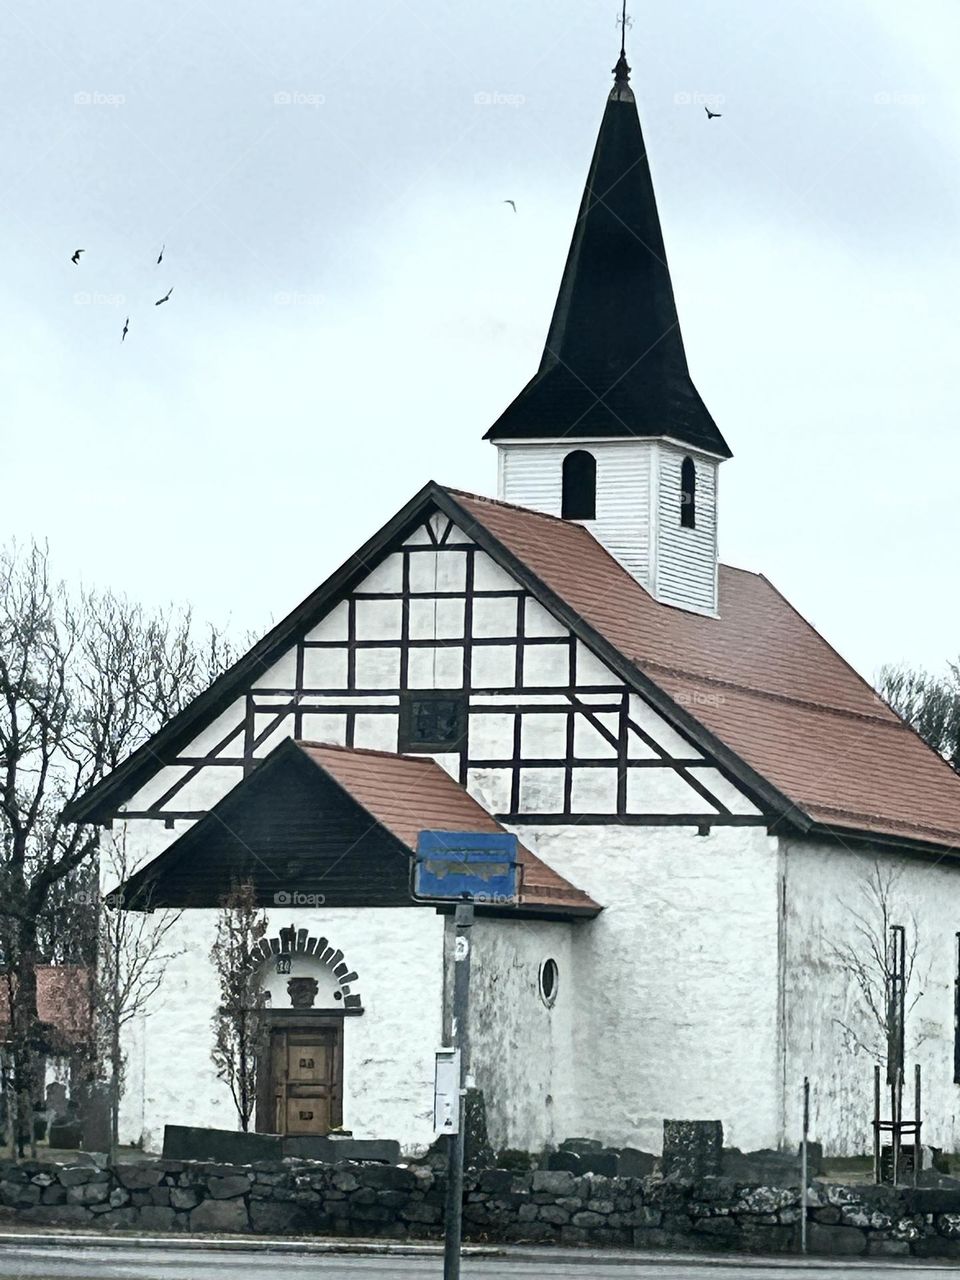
{"x":76,"y":256}
{"x":159,"y":301}
{"x":160,"y":259}
{"x":511,"y":204}
{"x":712,"y":115}
{"x":126,"y":326}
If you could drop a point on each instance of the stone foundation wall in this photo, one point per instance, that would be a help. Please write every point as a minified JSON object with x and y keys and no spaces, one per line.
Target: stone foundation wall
{"x":543,"y":1206}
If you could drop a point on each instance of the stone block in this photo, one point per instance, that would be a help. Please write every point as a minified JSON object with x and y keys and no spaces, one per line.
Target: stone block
{"x":276,"y":1219}
{"x":19,"y":1194}
{"x":883,"y":1247}
{"x":236,"y":1184}
{"x":89,"y":1193}
{"x":155,"y":1217}
{"x":766,"y":1168}
{"x":138,"y":1177}
{"x":722,"y":1228}
{"x":692,"y":1149}
{"x":565,"y":1162}
{"x":186,"y":1142}
{"x":636,"y":1164}
{"x":220,"y":1215}
{"x":332,"y":1150}
{"x":123,"y":1219}
{"x":494,"y":1180}
{"x":836,"y":1240}
{"x":370,"y":1212}
{"x":422,"y":1212}
{"x":54,"y":1194}
{"x":67,"y":1215}
{"x":606,"y":1207}
{"x":75,"y":1175}
{"x":389,"y":1177}
{"x":936,"y":1247}
{"x":554,"y":1182}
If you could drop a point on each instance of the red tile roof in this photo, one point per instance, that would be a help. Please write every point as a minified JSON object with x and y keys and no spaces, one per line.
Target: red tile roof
{"x":758,"y":677}
{"x":410,"y":794}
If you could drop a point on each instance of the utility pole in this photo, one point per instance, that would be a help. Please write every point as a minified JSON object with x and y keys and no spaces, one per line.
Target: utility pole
{"x":463,"y":920}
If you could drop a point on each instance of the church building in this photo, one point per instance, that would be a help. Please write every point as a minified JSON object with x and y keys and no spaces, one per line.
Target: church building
{"x":700,"y":786}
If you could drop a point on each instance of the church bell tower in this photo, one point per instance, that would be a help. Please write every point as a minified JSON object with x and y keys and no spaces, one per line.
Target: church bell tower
{"x":610,"y":431}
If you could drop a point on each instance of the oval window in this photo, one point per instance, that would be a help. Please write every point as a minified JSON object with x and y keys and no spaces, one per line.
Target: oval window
{"x":549,"y":980}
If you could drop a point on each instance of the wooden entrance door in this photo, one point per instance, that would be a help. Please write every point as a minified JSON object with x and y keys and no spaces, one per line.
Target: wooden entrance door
{"x":305,"y":1078}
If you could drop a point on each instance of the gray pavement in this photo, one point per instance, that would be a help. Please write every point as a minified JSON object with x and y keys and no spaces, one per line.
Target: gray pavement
{"x":75,"y":1261}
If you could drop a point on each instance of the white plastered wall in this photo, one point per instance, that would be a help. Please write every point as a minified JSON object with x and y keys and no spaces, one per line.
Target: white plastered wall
{"x":523,"y":1050}
{"x":388,"y":1049}
{"x":676,"y":988}
{"x":824,"y":894}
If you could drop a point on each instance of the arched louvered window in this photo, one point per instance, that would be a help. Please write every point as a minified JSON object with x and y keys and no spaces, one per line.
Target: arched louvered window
{"x":688,"y":494}
{"x":579,"y":486}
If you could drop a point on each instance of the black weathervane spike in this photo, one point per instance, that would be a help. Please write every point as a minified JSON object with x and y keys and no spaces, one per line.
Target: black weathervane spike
{"x":622,"y":70}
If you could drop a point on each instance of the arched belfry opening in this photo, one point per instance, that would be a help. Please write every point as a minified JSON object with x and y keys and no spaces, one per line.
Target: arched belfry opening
{"x":579,"y":486}
{"x":688,"y":494}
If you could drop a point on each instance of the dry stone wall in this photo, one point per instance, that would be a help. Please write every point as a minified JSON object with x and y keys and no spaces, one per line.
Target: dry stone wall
{"x":542,"y":1206}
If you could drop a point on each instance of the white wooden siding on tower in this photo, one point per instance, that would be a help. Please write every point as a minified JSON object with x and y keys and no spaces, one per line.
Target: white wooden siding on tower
{"x":532,"y":474}
{"x":637,"y":510}
{"x":550,"y":729}
{"x":686,"y":566}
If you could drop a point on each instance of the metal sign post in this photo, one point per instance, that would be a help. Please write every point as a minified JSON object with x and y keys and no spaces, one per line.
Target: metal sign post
{"x":465,"y":868}
{"x":804,"y":1165}
{"x":461,"y":1040}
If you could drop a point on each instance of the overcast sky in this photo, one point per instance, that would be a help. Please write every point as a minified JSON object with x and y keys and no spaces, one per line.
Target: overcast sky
{"x":354,"y":304}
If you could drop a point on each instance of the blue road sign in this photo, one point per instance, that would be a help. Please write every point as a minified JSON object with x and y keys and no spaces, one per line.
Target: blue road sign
{"x":460,"y":865}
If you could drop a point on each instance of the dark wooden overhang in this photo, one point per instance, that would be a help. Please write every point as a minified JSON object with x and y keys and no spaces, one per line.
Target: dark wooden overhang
{"x":321,"y":827}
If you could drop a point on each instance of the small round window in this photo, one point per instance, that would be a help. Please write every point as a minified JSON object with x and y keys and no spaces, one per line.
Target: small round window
{"x":549,"y":981}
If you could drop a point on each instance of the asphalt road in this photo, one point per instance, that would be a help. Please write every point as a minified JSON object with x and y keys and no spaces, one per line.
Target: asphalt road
{"x":72,"y":1262}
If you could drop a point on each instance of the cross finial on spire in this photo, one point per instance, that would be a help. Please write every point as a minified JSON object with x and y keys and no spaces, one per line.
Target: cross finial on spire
{"x":622,"y":70}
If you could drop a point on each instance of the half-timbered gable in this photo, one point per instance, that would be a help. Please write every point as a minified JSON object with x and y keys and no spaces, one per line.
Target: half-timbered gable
{"x":439,"y":650}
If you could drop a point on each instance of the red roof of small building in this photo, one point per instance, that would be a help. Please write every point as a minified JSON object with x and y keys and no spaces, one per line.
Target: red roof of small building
{"x":410,"y":794}
{"x":759,"y":677}
{"x":63,"y":1002}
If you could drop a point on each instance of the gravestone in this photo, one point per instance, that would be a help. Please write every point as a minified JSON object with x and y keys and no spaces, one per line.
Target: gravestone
{"x":224,"y":1146}
{"x":93,"y":1114}
{"x":65,"y":1134}
{"x":692,"y":1149}
{"x":56,"y":1099}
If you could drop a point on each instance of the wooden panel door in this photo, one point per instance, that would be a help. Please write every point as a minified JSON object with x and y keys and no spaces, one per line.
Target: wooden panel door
{"x":305,"y":1070}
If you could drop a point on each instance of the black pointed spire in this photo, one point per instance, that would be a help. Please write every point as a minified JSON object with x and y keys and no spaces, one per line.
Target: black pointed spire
{"x":614,"y":363}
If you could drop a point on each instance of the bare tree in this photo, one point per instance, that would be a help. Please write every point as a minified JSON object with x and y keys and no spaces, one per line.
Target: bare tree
{"x":867,"y":960}
{"x":931,"y":704}
{"x":238,"y":1021}
{"x":134,"y":950}
{"x":84,"y":678}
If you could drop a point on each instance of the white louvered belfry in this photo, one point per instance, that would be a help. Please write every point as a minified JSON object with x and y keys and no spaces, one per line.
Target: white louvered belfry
{"x":639,"y":500}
